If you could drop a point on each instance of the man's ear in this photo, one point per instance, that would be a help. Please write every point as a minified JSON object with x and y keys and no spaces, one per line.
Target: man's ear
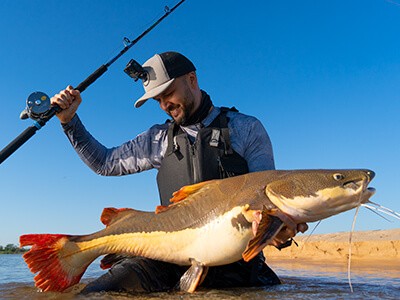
{"x":192,"y":77}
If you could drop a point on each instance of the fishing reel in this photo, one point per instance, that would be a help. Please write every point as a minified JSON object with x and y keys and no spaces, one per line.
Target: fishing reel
{"x":37,"y":107}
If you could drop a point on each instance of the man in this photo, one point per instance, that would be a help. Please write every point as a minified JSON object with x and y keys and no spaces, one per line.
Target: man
{"x":201,"y":142}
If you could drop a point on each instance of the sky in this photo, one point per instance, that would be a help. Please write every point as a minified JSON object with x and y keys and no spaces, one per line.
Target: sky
{"x":322,"y":76}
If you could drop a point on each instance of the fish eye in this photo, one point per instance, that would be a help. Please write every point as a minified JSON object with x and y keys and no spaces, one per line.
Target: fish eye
{"x":338,"y":176}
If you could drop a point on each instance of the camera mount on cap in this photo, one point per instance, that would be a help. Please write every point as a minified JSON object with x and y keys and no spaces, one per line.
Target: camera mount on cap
{"x":136,"y":71}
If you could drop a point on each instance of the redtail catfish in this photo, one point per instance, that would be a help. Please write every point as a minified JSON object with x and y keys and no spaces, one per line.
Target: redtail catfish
{"x":208,"y":224}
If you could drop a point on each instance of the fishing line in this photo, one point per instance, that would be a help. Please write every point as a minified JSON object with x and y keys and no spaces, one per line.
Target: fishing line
{"x":309,"y":236}
{"x":363,"y":188}
{"x":350,"y":249}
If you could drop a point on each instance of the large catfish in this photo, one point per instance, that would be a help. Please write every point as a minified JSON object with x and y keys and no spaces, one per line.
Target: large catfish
{"x":208,"y":224}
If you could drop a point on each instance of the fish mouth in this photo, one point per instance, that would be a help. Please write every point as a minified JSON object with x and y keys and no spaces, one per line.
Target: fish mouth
{"x":362,"y":183}
{"x":355,"y":184}
{"x":369,"y":191}
{"x":366,"y":192}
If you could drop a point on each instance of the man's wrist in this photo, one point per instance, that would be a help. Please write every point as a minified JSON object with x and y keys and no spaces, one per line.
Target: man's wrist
{"x":71,"y":123}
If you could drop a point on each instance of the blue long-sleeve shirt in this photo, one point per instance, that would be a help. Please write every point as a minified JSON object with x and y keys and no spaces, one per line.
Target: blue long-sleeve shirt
{"x":248,"y":138}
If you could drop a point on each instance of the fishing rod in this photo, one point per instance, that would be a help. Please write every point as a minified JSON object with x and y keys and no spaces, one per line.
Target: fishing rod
{"x":38,"y":107}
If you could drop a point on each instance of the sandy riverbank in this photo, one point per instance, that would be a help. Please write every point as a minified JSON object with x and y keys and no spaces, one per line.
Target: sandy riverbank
{"x":382,"y":245}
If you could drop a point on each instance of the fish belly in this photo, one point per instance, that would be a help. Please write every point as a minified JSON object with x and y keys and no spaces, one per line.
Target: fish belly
{"x":218,"y":242}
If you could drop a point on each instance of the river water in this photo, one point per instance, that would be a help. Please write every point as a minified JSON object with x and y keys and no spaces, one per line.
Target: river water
{"x":301,"y":280}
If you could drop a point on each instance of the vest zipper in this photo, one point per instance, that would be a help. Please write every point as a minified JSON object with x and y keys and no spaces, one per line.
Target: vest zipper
{"x":195,"y":166}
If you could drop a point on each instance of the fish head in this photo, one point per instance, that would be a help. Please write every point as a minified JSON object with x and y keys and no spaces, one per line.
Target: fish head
{"x":313,"y":195}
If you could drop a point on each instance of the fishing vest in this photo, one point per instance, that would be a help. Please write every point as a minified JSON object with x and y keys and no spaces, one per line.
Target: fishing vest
{"x":210,"y":156}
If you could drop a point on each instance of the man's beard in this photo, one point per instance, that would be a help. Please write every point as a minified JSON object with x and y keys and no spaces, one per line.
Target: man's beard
{"x":187,"y":107}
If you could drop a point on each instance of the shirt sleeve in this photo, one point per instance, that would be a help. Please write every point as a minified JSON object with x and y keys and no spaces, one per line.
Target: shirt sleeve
{"x":141,"y":153}
{"x":250,"y":139}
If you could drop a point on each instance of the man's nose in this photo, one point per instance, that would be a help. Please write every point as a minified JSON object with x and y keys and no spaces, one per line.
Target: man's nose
{"x":166,"y":105}
{"x":163,"y":104}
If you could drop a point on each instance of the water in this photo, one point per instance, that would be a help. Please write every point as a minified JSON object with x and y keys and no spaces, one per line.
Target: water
{"x":301,"y":280}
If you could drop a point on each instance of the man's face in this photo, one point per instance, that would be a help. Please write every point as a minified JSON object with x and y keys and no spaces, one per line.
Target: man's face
{"x":179,"y":100}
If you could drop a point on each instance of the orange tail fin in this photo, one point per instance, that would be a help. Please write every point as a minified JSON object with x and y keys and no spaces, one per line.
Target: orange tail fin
{"x":54,"y":257}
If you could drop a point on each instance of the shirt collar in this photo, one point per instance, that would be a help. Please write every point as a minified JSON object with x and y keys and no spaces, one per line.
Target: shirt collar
{"x":193,"y":129}
{"x":215,"y":111}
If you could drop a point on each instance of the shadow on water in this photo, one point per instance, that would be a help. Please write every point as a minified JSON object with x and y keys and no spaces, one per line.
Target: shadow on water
{"x":292,"y":288}
{"x":300,"y":281}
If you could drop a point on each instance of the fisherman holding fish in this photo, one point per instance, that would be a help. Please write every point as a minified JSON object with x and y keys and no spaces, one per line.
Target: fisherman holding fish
{"x":201,"y":142}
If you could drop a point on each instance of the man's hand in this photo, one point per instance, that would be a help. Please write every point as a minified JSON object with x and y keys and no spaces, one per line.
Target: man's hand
{"x":286,"y":233}
{"x":69,"y":100}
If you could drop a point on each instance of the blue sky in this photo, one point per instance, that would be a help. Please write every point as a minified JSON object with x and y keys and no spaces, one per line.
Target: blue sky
{"x":322,"y":76}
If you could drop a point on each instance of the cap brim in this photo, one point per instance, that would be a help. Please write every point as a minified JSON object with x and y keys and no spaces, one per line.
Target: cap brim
{"x":153,"y":93}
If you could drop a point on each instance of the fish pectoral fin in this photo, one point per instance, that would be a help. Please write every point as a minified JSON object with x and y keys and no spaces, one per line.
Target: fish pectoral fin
{"x":269,"y":226}
{"x":193,"y":277}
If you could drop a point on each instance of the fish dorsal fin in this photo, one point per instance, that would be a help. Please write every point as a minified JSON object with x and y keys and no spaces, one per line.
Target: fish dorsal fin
{"x":182,"y":194}
{"x":161,"y":208}
{"x":187,"y":190}
{"x":112,"y":214}
{"x":223,"y":187}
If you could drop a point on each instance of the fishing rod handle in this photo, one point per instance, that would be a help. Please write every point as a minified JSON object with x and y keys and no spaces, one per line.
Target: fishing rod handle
{"x":18,"y":142}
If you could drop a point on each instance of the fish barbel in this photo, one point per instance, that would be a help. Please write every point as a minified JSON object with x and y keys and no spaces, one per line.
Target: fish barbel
{"x":208,"y":224}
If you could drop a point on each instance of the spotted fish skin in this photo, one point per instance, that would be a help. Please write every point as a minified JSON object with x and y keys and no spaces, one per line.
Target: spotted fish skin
{"x":208,"y":224}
